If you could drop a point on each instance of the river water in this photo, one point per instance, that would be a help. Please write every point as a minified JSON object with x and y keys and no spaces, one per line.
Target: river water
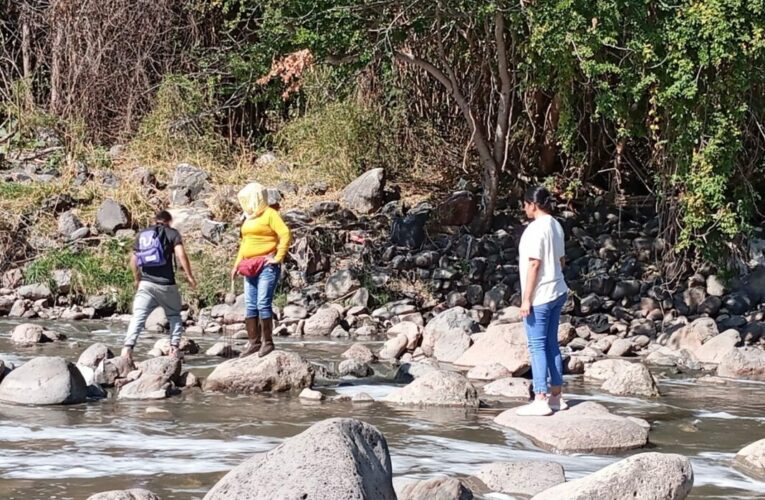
{"x":71,"y":452}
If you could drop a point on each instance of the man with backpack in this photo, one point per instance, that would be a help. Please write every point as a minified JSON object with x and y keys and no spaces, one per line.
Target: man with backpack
{"x":154,"y":274}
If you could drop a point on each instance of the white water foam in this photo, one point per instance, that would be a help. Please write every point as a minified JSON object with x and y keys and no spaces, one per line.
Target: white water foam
{"x":99,"y":452}
{"x":724,"y":415}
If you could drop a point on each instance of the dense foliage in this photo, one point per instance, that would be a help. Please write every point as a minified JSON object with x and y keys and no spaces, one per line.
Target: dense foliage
{"x":621,"y":97}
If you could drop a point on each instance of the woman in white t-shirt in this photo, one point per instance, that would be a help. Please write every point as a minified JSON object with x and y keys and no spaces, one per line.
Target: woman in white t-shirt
{"x":541,"y":255}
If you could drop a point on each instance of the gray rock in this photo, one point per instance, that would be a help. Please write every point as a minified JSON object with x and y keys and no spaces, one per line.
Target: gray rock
{"x":34,"y":292}
{"x":158,"y":378}
{"x":132,"y":494}
{"x":359,"y":299}
{"x":79,"y":234}
{"x":212,"y":230}
{"x":711,"y":305}
{"x":623,"y":378}
{"x":394,"y":348}
{"x":354,"y":368}
{"x":509,"y":387}
{"x":437,"y":388}
{"x":496,"y":298}
{"x":112,"y":216}
{"x":648,"y":476}
{"x":68,"y":223}
{"x":340,"y":284}
{"x":744,"y":362}
{"x":438,"y":488}
{"x":311,"y":395}
{"x":44,"y":381}
{"x":366,"y":194}
{"x":187,"y":184}
{"x":716,"y":348}
{"x":113,"y":369}
{"x":751,"y":460}
{"x":361,"y":353}
{"x":447,"y":336}
{"x":322,"y":322}
{"x":527,"y":477}
{"x":356,"y":453}
{"x":223,"y":350}
{"x":408,"y":372}
{"x":28,"y":334}
{"x":189,"y":219}
{"x":63,"y":280}
{"x":278,"y":372}
{"x":93,"y":355}
{"x":504,"y":344}
{"x":715,"y":286}
{"x":493,"y":371}
{"x":584,"y":428}
{"x":620,"y":347}
{"x":691,"y":337}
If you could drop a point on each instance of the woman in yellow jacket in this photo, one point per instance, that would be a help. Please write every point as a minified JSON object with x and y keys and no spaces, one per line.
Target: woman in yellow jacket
{"x":263,"y":235}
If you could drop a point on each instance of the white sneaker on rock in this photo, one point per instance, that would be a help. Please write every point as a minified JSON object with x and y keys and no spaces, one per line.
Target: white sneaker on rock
{"x":557,"y":403}
{"x":537,"y":408}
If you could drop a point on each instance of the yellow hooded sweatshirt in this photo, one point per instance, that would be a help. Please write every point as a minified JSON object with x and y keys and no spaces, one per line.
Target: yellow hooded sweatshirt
{"x":264,"y":232}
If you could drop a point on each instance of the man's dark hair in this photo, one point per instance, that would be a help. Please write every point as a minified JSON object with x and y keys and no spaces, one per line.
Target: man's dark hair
{"x":164,"y":217}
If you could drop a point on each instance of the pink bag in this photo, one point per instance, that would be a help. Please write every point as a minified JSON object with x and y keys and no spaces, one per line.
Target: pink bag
{"x":251,"y":267}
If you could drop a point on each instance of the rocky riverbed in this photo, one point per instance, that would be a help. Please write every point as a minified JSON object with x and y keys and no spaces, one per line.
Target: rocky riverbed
{"x":180,"y":446}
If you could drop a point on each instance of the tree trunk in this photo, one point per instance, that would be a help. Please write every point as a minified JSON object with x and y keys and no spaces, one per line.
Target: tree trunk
{"x":26,"y":62}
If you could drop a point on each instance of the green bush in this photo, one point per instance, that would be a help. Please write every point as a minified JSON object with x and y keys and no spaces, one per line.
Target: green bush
{"x":101,"y":271}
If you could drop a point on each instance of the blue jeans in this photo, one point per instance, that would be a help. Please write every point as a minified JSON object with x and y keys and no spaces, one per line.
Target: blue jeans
{"x":542,"y":335}
{"x":259,"y":292}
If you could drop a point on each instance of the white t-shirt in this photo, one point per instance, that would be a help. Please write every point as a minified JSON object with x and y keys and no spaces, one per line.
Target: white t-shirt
{"x":543,"y":240}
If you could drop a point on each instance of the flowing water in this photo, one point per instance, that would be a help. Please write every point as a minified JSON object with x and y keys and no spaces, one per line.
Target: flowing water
{"x":71,"y":452}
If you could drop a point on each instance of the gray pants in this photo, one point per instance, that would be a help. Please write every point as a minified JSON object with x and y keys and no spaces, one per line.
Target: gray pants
{"x":148,"y":297}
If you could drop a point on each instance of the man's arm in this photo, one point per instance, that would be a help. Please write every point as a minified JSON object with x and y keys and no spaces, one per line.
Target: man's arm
{"x":136,"y":270}
{"x":180,"y":254}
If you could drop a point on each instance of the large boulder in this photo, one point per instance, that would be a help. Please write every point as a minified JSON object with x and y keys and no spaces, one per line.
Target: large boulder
{"x":648,"y":476}
{"x":623,"y":378}
{"x":112,"y":370}
{"x":361,"y":353}
{"x":438,"y":488}
{"x":744,"y":362}
{"x":751,"y":460}
{"x":132,"y":494}
{"x":527,"y":477}
{"x":501,"y":343}
{"x":692,"y":336}
{"x":28,"y":334}
{"x":458,"y":210}
{"x":437,"y":388}
{"x":336,"y":458}
{"x":112,"y":216}
{"x":278,"y":372}
{"x":584,"y":428}
{"x":33,"y":292}
{"x":157,"y":381}
{"x":68,"y":223}
{"x":322,"y":322}
{"x":716,"y":348}
{"x":94,"y":355}
{"x":44,"y":381}
{"x":341,"y":284}
{"x":509,"y":387}
{"x":187,"y":184}
{"x":447,"y":336}
{"x":190,"y":219}
{"x":366,"y":194}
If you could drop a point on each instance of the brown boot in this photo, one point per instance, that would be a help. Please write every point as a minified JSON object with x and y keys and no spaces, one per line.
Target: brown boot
{"x":253,"y":333}
{"x":267,"y":327}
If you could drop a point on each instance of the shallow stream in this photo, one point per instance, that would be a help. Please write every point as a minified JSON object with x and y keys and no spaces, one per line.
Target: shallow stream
{"x":74,"y":451}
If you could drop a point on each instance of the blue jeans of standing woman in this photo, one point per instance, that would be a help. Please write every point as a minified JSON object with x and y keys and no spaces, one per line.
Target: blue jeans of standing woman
{"x":542,"y":335}
{"x":259,"y":292}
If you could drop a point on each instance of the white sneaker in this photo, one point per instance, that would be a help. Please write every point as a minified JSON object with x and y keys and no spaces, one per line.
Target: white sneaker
{"x":557,"y":403}
{"x":537,"y":408}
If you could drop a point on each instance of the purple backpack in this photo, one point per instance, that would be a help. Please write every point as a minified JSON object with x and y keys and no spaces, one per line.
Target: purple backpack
{"x":150,"y":251}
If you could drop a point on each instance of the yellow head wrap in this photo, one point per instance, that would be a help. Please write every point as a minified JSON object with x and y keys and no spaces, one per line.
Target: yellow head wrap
{"x":253,"y":198}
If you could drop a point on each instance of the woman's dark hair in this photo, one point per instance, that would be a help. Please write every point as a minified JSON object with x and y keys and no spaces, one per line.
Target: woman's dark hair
{"x":540,"y":196}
